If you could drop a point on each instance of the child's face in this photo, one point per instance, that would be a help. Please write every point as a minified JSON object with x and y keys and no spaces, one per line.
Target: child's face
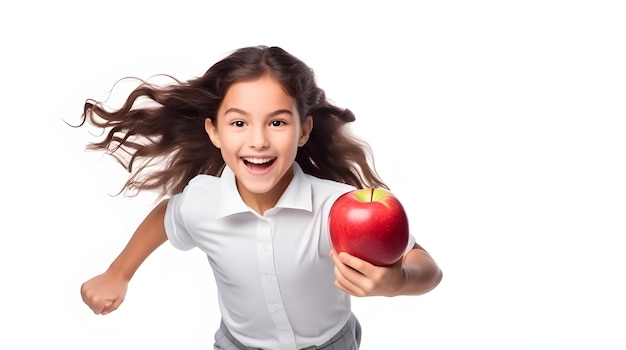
{"x":258,"y":131}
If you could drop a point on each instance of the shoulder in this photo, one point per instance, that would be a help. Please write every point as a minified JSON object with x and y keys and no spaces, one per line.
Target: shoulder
{"x":202,"y":181}
{"x":198,"y":190}
{"x":327,"y":191}
{"x":328,"y":185}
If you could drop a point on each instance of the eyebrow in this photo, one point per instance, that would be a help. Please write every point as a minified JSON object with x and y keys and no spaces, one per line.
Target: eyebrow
{"x":242,"y":112}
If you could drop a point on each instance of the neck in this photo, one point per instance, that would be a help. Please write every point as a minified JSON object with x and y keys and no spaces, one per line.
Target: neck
{"x":261,"y":202}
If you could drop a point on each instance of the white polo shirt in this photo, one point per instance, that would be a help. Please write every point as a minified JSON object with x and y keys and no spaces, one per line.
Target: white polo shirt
{"x":274,"y":276}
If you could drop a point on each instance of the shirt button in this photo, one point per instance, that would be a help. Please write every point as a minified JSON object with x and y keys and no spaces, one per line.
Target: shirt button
{"x":285,"y":334}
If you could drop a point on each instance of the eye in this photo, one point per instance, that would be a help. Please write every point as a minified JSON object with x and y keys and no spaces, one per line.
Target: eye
{"x":238,"y":123}
{"x":277,"y":123}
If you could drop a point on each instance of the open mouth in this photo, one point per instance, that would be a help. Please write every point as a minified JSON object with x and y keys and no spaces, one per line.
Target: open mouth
{"x":258,"y":163}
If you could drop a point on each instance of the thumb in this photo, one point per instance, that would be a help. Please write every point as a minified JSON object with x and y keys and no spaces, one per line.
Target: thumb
{"x":108,"y":307}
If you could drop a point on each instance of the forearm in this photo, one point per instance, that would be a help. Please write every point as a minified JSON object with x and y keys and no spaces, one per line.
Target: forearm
{"x":148,"y":236}
{"x":421,"y":272}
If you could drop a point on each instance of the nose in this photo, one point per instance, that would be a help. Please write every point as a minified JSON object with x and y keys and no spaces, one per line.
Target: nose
{"x":258,"y":138}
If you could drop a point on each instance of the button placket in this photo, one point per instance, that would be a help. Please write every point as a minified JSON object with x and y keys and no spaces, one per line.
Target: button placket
{"x":271,"y":287}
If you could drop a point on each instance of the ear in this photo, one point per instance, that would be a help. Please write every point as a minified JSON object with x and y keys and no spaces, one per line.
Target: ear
{"x":305,"y":131}
{"x":211,"y":130}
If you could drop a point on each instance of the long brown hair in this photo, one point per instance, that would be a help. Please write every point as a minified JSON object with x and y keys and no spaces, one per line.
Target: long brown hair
{"x":163,"y":144}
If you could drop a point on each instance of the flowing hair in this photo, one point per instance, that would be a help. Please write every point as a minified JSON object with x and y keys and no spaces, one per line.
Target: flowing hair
{"x":163,"y":144}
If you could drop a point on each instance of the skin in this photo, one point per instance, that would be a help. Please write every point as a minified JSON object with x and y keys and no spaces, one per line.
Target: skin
{"x":104,"y":293}
{"x":416,"y":273}
{"x":258,"y":122}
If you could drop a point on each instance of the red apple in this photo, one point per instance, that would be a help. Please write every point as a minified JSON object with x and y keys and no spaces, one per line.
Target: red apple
{"x":370,"y":224}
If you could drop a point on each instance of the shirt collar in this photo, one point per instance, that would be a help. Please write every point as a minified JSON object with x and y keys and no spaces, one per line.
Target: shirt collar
{"x":297,"y":195}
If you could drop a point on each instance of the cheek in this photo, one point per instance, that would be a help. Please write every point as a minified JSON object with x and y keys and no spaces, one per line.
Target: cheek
{"x":294,"y":140}
{"x":285,"y":143}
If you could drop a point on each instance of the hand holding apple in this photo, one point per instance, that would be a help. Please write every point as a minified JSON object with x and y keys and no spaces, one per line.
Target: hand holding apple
{"x":371,"y":224}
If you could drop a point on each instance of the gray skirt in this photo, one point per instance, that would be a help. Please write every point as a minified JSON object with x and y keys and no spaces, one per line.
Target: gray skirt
{"x":348,"y":338}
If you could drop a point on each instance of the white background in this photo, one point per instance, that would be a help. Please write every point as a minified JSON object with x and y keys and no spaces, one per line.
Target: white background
{"x":500,"y":125}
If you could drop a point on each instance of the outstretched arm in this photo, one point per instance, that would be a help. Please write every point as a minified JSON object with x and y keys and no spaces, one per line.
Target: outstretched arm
{"x":416,"y":273}
{"x":104,"y":293}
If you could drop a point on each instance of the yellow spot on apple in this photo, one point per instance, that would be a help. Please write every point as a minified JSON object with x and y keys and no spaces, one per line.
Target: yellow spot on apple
{"x":372,"y":195}
{"x":378,"y":194}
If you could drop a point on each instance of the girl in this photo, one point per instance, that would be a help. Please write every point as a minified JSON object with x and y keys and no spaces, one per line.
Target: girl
{"x":252,"y":155}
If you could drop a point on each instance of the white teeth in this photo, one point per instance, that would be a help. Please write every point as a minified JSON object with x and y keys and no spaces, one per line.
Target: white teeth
{"x":258,"y":160}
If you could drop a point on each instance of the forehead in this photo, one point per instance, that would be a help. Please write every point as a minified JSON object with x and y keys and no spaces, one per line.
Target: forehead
{"x":258,"y":94}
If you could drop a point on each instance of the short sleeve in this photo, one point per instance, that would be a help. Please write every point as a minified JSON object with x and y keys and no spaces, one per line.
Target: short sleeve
{"x":410,"y":244}
{"x":175,"y":229}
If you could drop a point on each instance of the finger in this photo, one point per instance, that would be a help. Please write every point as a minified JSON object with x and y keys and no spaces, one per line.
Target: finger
{"x":340,"y":281}
{"x":99,"y":306}
{"x":355,"y":263}
{"x":345,"y":285}
{"x":108,"y":307}
{"x":95,"y":306}
{"x":341,"y":259}
{"x":112,"y":305}
{"x":94,"y":303}
{"x":352,"y":268}
{"x":84,"y":293}
{"x":348,"y":279}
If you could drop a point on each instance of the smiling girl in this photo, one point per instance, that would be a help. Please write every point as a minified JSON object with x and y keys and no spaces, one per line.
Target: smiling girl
{"x":252,"y":157}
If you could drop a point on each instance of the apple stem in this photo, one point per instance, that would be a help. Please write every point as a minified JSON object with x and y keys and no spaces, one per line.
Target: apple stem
{"x":371,"y":195}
